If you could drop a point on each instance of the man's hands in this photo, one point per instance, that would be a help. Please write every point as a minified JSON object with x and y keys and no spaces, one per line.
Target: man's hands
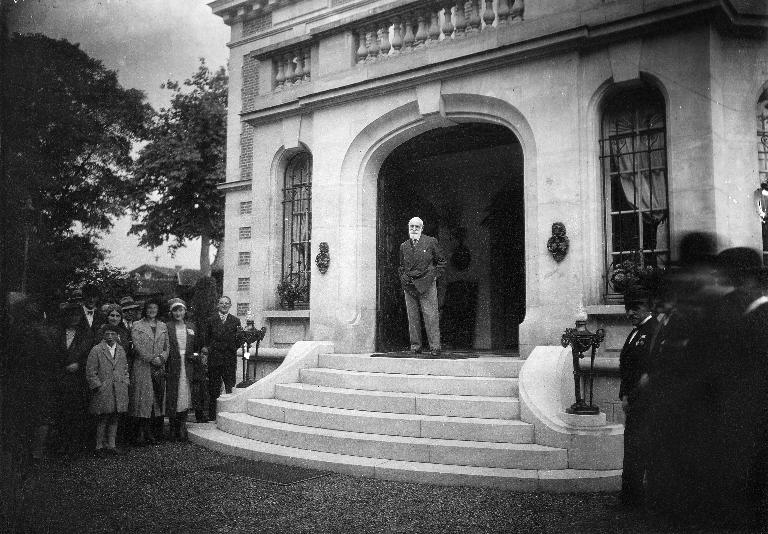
{"x":624,"y":403}
{"x":157,"y":362}
{"x":72,"y":367}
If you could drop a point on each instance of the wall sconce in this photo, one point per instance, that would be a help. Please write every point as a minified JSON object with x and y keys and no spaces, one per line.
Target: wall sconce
{"x":323,"y":258}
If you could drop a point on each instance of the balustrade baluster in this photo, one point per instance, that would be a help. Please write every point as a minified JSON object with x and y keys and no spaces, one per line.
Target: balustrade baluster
{"x":421,"y":29}
{"x":298,"y":74}
{"x":434,"y":27}
{"x":384,"y":39}
{"x":362,"y":50}
{"x":461,"y":22}
{"x":488,"y":15}
{"x":280,"y":76}
{"x":397,"y":37}
{"x":290,"y":74}
{"x":502,"y":10}
{"x":307,"y":64}
{"x":369,"y":44}
{"x":447,"y":24}
{"x":408,"y":37}
{"x":373,"y":48}
{"x":517,"y":10}
{"x":472,"y":13}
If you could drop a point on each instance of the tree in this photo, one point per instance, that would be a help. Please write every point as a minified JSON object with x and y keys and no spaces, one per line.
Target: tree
{"x":71,"y":130}
{"x":175,"y":193}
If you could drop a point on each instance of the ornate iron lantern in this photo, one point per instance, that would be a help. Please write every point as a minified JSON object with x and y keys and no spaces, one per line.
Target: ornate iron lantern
{"x":248,"y":341}
{"x":581,"y":340}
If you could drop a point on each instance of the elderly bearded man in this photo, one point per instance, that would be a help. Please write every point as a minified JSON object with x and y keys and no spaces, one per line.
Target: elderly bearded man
{"x":421,"y":264}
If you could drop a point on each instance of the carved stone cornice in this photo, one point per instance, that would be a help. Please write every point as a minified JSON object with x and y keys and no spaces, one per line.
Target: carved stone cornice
{"x":233,"y":11}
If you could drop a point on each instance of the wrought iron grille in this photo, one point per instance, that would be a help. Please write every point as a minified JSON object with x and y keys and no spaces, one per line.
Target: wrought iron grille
{"x":633,"y":157}
{"x":762,"y":156}
{"x":297,"y":223}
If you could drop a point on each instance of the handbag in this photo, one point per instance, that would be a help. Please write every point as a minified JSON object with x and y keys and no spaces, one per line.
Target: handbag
{"x":158,"y":383}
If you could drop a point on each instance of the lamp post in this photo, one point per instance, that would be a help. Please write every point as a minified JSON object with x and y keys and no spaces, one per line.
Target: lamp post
{"x":249,"y":339}
{"x":581,"y":340}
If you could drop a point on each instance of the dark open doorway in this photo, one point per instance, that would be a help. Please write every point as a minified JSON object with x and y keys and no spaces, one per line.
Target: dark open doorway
{"x":466,"y":183}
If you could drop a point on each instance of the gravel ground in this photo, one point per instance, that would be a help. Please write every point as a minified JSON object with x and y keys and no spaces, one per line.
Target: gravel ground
{"x":170,"y":488}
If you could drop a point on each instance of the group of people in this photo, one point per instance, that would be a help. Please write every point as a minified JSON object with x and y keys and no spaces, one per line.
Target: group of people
{"x":96,"y":378}
{"x":694,"y":387}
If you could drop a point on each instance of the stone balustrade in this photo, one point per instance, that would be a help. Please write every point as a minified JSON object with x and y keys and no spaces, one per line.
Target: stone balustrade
{"x":291,"y":68}
{"x":441,"y":22}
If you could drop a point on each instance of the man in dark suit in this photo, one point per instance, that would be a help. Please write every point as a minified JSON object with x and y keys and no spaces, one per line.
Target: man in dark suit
{"x":421,"y":264}
{"x":220,"y":339}
{"x":91,"y":317}
{"x":634,"y":363}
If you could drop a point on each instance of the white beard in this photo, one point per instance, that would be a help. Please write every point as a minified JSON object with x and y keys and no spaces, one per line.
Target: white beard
{"x":415,"y":235}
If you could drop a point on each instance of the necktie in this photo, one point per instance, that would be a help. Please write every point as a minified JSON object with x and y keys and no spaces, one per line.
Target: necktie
{"x":413,"y":243}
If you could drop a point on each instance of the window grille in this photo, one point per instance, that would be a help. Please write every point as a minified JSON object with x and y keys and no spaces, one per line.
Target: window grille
{"x":245,"y":232}
{"x":633,"y":156}
{"x":246,"y":207}
{"x":762,"y":156}
{"x":242,"y":308}
{"x":244,"y":258}
{"x":243,"y":284}
{"x":297,"y":222}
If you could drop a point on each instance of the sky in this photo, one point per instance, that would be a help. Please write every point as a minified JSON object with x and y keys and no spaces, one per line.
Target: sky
{"x":147,"y":42}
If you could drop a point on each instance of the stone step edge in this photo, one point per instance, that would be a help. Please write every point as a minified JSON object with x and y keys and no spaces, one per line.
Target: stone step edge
{"x":346,"y":434}
{"x":402,"y":394}
{"x":406,"y":376}
{"x":389,"y":415}
{"x":526,"y":480}
{"x":509,"y":368}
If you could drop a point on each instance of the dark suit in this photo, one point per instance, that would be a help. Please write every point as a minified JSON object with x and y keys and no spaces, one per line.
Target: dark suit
{"x":421,"y":264}
{"x":98,"y":320}
{"x":634,"y":361}
{"x":72,"y":424}
{"x":221,"y":339}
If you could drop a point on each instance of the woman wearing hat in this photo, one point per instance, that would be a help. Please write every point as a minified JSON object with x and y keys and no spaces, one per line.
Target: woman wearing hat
{"x":180,"y":368}
{"x":150,"y":351}
{"x":114,"y":315}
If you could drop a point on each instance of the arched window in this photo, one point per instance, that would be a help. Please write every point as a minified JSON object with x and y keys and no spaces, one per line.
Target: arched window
{"x":297,"y":222}
{"x":762,"y":155}
{"x":633,"y":154}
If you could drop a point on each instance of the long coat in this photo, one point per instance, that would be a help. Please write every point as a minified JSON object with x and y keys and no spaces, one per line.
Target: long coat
{"x":146,"y":347}
{"x":73,"y":390}
{"x":635,"y":358}
{"x":173,"y":367}
{"x":107,"y":379}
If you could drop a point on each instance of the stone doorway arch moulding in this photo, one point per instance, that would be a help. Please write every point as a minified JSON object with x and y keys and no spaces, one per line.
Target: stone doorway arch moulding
{"x":355,"y":310}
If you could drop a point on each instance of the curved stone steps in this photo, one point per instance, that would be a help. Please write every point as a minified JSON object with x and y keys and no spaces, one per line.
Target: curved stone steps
{"x":528,"y":480}
{"x":413,"y":425}
{"x":396,"y":402}
{"x":405,"y":448}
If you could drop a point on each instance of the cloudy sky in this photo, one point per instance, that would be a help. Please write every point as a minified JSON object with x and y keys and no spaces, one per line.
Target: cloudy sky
{"x":147,"y":42}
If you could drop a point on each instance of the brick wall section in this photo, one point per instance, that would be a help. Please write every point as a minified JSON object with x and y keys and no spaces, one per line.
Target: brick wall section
{"x":246,"y":151}
{"x":257,"y":24}
{"x":250,"y":88}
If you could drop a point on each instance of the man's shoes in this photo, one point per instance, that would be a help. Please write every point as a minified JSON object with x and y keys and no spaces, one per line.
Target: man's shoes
{"x":415,"y":351}
{"x":436,"y":354}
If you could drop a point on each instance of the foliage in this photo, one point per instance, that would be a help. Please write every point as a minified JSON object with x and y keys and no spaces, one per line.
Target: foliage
{"x":175,"y":193}
{"x":113,"y":282}
{"x":204,"y":298}
{"x":71,"y":130}
{"x":289,"y":290}
{"x":629,"y":274}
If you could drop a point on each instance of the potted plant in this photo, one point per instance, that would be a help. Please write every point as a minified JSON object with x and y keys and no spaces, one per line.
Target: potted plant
{"x":289,"y":290}
{"x":629,"y":274}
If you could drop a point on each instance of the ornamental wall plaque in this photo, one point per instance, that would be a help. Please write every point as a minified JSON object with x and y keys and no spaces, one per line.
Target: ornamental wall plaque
{"x":557,"y":245}
{"x":323,"y":258}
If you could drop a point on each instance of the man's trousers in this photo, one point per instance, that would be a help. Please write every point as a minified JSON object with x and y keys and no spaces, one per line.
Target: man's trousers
{"x":428,"y":304}
{"x":216,"y":375}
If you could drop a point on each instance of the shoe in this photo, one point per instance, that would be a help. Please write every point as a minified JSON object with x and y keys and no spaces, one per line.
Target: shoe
{"x":100,"y":453}
{"x":436,"y":354}
{"x":113,"y":451}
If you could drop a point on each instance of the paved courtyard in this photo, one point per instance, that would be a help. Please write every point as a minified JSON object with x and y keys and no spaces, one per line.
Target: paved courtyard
{"x":175,"y":487}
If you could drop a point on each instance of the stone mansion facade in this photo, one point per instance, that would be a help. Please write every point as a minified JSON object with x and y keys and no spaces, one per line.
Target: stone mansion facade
{"x":631,"y":122}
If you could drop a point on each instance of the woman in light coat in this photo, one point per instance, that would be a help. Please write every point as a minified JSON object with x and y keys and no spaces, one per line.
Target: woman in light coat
{"x":150,"y":349}
{"x":107,"y":374}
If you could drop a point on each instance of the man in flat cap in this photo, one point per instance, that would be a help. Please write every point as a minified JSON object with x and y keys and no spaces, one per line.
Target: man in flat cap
{"x":421,"y":264}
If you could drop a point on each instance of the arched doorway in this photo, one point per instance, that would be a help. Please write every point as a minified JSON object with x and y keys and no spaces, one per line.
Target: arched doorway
{"x":466,"y":183}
